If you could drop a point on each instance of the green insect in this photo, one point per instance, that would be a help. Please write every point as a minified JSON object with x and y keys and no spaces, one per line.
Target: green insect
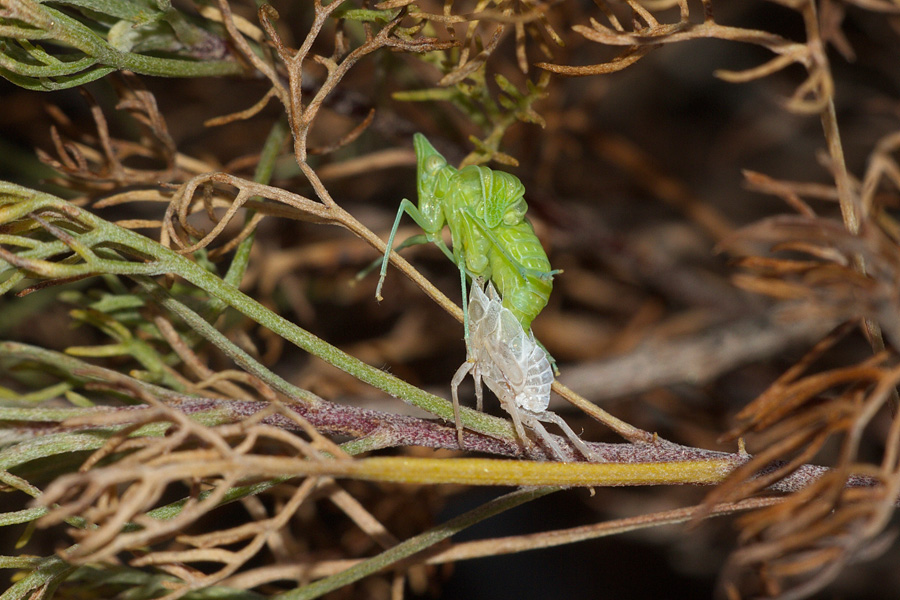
{"x":521,"y":271}
{"x":492,"y":239}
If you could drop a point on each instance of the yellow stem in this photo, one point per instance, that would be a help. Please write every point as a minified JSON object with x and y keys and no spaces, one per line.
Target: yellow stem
{"x":469,"y":471}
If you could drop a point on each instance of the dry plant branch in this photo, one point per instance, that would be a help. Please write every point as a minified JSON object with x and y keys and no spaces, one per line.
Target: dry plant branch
{"x":340,"y":420}
{"x":696,"y":359}
{"x":223,"y":458}
{"x":221,"y":438}
{"x":829,"y":281}
{"x":154,"y":259}
{"x":800,"y":546}
{"x":815,"y":95}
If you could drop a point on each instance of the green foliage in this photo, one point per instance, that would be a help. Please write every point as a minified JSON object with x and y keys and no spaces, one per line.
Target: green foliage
{"x":37,"y":41}
{"x":492,"y":113}
{"x":151,"y":405}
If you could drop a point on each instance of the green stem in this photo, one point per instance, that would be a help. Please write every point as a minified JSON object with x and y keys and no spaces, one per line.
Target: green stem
{"x":48,"y":573}
{"x":218,"y":339}
{"x":416,"y":544}
{"x":62,"y":28}
{"x":22,"y":201}
{"x":264,"y":168}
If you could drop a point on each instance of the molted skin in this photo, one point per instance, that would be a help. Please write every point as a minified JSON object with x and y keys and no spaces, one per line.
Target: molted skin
{"x":512,"y":364}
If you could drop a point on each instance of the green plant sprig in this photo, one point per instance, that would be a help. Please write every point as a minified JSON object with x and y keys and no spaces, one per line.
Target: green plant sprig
{"x":87,"y":239}
{"x":102,"y":48}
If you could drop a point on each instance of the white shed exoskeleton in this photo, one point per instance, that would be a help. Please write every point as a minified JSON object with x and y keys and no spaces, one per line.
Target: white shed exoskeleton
{"x":513,"y":366}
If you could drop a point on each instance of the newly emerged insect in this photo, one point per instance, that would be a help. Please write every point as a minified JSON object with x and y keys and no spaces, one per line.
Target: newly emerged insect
{"x":485,"y":211}
{"x":513,"y":366}
{"x":519,"y":264}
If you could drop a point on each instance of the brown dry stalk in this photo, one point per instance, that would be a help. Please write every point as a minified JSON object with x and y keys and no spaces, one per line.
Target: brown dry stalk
{"x":230,"y":435}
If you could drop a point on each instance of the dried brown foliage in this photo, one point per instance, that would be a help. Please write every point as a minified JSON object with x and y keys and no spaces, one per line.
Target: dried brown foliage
{"x":201,"y":450}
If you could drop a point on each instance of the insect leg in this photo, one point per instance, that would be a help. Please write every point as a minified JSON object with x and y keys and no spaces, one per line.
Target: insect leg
{"x":523,"y":271}
{"x":447,"y":252}
{"x":458,"y":377}
{"x":552,"y":417}
{"x":414,"y":240}
{"x":465,"y":301}
{"x":463,"y":271}
{"x":534,"y":424}
{"x":460,"y":261}
{"x":516,"y":416}
{"x":430,"y":230}
{"x":479,"y":392}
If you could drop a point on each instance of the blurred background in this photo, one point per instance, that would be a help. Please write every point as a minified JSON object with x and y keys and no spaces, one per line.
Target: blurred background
{"x":634,"y":180}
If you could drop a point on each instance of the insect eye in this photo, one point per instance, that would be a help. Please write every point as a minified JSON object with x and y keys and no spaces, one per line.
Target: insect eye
{"x":434,"y":163}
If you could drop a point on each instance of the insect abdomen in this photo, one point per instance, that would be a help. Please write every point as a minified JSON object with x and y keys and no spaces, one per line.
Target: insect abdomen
{"x":526,"y":293}
{"x":509,"y":359}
